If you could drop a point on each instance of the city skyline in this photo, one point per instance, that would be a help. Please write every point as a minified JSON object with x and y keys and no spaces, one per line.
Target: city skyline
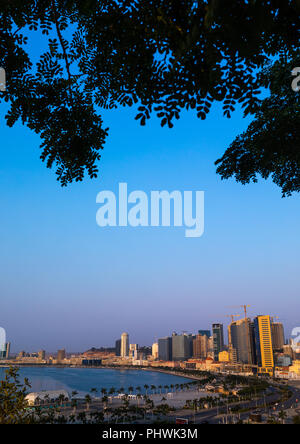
{"x":226,"y":339}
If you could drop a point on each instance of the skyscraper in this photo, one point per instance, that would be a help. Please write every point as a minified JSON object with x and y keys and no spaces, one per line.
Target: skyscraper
{"x":7,"y":350}
{"x":218,"y":340}
{"x":200,"y":346}
{"x":277,"y":336}
{"x":61,"y":354}
{"x":118,"y":347}
{"x":263,"y":343}
{"x":124,"y":345}
{"x":155,"y":350}
{"x":182,"y":347}
{"x":165,"y":349}
{"x":241,"y":339}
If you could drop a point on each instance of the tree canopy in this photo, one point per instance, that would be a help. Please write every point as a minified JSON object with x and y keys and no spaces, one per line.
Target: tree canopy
{"x":163,"y":57}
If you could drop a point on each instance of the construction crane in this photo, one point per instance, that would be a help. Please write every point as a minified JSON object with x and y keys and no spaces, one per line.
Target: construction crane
{"x":242,"y":306}
{"x":232,"y":317}
{"x":245,"y":309}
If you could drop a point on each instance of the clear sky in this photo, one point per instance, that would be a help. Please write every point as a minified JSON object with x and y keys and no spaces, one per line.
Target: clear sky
{"x":65,"y":282}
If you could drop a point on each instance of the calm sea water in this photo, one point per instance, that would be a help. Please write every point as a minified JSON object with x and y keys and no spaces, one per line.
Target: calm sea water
{"x":82,"y":379}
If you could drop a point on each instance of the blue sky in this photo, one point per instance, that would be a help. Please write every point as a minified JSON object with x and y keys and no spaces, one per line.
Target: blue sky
{"x":65,"y":282}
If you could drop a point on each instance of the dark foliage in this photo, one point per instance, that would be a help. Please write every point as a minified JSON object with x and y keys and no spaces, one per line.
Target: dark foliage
{"x":164,"y":56}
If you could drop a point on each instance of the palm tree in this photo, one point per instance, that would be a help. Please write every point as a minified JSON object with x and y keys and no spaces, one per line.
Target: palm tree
{"x":166,"y":387}
{"x":61,"y":399}
{"x":160,"y":388}
{"x":104,"y":401}
{"x":149,"y":406}
{"x":93,"y":390}
{"x":138,"y":397}
{"x":130,"y":389}
{"x":146,"y":387}
{"x":88,"y":400}
{"x":112,"y":391}
{"x":72,"y":419}
{"x":103,"y":391}
{"x":153,"y":387}
{"x":282,"y":415}
{"x":74,"y":405}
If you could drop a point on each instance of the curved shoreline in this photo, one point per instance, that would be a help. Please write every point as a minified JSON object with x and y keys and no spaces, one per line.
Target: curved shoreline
{"x":119,"y":368}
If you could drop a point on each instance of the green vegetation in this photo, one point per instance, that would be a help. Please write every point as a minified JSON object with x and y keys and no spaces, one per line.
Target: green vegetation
{"x":14,"y":408}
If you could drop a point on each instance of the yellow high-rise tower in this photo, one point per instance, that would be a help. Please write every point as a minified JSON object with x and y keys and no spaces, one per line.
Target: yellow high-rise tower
{"x":263,"y":332}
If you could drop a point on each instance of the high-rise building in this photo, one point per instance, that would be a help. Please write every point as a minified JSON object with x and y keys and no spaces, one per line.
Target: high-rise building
{"x":133,"y":350}
{"x":118,"y":347}
{"x":7,"y":350}
{"x":61,"y":355}
{"x":200,"y":346}
{"x":124,"y":345}
{"x":165,"y":349}
{"x":218,"y":340}
{"x":191,"y":344}
{"x":155,"y":350}
{"x":210,"y":344}
{"x":277,"y":336}
{"x":263,"y":344}
{"x":182,"y":347}
{"x":241,"y":339}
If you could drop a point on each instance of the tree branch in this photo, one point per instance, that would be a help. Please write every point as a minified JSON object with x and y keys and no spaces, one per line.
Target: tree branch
{"x":65,"y":55}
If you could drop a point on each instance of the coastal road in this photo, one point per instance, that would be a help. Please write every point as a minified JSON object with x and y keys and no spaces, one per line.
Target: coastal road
{"x":214,"y":415}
